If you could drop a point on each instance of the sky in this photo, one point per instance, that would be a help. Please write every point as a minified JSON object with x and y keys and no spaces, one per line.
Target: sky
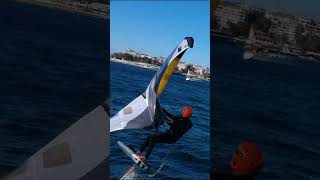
{"x":157,"y":27}
{"x":303,"y":8}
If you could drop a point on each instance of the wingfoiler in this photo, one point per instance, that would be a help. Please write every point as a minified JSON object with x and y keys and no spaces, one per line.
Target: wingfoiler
{"x":142,"y":112}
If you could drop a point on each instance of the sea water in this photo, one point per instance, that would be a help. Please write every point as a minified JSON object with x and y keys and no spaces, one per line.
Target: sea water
{"x":52,"y":72}
{"x":274,"y":104}
{"x":189,"y":158}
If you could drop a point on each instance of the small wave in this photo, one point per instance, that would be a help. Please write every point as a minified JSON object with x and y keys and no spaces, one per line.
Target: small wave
{"x":295,"y":146}
{"x":189,"y":157}
{"x":21,"y":130}
{"x":304,"y":172}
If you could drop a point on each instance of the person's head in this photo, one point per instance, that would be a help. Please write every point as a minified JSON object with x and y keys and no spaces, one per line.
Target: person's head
{"x":247,"y":160}
{"x":186,"y":112}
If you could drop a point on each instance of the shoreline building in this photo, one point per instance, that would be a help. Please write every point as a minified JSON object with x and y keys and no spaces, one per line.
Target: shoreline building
{"x":284,"y":26}
{"x":259,"y":38}
{"x":230,"y":12}
{"x":138,"y":54}
{"x":310,"y":26}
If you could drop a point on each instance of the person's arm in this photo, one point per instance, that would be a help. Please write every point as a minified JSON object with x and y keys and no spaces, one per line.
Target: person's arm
{"x":187,"y":125}
{"x":168,"y":118}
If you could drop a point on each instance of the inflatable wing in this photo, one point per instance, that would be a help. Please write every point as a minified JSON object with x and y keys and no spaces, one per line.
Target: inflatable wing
{"x":79,"y":153}
{"x":141,"y":112}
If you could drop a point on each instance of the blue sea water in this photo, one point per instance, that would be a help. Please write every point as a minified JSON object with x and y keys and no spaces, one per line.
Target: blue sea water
{"x":189,"y":158}
{"x":275,"y":105}
{"x":52,"y":72}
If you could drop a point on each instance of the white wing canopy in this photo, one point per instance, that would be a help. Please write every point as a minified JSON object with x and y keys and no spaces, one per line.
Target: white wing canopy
{"x":141,"y":112}
{"x":80,"y":152}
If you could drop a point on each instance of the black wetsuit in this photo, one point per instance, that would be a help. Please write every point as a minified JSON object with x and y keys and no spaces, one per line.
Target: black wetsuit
{"x":178,"y":127}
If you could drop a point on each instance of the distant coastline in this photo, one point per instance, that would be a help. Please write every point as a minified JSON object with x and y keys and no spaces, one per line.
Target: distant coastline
{"x":267,"y":32}
{"x":132,"y":57}
{"x":240,"y":42}
{"x":138,"y":64}
{"x":147,"y":66}
{"x":76,"y":8}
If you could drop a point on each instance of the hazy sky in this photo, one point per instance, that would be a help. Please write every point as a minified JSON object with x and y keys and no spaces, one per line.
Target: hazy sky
{"x":306,"y":8}
{"x":157,"y":27}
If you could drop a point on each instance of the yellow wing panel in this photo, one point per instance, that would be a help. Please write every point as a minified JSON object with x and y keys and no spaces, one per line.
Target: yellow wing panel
{"x":166,"y":76}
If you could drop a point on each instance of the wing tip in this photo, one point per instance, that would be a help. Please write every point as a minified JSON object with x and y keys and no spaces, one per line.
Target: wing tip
{"x":190,"y":41}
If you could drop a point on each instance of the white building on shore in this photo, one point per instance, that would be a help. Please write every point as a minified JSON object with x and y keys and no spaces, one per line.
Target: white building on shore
{"x":182,"y":66}
{"x":229,"y":12}
{"x":138,"y":54}
{"x":283,"y":25}
{"x":310,"y":26}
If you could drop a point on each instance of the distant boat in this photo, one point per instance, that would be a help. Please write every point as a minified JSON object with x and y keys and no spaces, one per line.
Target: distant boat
{"x":192,"y":78}
{"x":248,"y":55}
